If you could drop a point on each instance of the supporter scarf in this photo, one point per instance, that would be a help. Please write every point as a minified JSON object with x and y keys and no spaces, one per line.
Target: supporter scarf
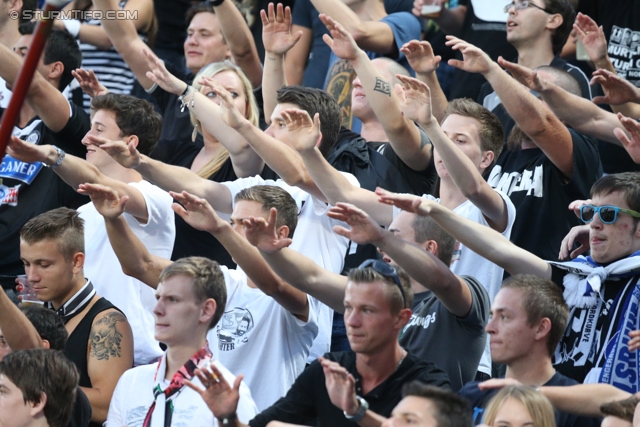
{"x":615,"y":365}
{"x":161,"y":410}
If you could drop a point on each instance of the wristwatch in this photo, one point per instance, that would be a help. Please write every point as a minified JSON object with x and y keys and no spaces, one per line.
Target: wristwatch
{"x":58,"y":162}
{"x":364,"y":405}
{"x":225,"y":421}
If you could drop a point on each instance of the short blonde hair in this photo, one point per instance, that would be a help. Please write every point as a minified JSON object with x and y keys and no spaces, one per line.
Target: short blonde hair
{"x":534,"y":401}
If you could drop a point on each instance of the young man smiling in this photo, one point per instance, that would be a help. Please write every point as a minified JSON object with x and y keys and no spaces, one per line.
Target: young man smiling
{"x":601,"y":289}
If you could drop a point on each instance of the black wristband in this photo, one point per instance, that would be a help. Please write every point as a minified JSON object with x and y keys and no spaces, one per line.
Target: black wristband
{"x":215,"y":3}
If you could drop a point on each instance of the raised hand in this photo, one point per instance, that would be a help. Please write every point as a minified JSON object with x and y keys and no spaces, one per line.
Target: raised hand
{"x":524,"y":75}
{"x":340,"y":41}
{"x":263,"y":234}
{"x":89,"y":82}
{"x":420,"y":56}
{"x":125,"y":154}
{"x":276,"y":29}
{"x":415,"y":99}
{"x":579,"y":234}
{"x":576,"y":204}
{"x":220,"y":397}
{"x":632,"y":145}
{"x":159,"y":75}
{"x":303,"y":134}
{"x":27,"y":152}
{"x":105,"y":199}
{"x":406,"y":202}
{"x":341,"y":386}
{"x":617,"y":90}
{"x":592,"y":36}
{"x":197,"y":212}
{"x":363,"y":230}
{"x":474,"y":60}
{"x":228,"y":110}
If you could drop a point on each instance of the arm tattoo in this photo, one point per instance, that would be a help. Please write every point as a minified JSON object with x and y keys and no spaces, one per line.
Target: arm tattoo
{"x":105,"y":338}
{"x":382,"y":86}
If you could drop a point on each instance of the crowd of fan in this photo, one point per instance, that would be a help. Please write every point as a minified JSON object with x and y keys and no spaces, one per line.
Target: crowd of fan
{"x":322,"y":226}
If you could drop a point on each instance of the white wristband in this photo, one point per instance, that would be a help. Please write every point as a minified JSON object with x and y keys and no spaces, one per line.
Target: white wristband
{"x":72,"y":26}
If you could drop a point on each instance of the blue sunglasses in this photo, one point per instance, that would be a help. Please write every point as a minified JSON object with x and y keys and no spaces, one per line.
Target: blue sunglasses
{"x":607,"y":214}
{"x":387,"y":271}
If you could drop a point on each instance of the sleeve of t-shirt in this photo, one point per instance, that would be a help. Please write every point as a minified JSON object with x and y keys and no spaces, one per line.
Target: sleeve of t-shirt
{"x":586,"y":165}
{"x":158,"y":204}
{"x":297,"y":406}
{"x":480,"y":303}
{"x":405,"y":27}
{"x":70,"y":136}
{"x":301,"y":14}
{"x":115,"y":416}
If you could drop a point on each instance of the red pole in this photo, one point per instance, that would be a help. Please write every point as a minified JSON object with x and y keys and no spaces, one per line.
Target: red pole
{"x":25,"y":74}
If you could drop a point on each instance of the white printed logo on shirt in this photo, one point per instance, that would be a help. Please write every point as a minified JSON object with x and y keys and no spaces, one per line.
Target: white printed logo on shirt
{"x":234,"y":328}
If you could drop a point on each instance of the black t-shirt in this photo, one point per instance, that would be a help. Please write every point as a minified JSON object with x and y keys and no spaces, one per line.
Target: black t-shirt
{"x":307,"y":401}
{"x":491,"y":37}
{"x":541,"y":193}
{"x":189,"y":241}
{"x":81,"y":414}
{"x":480,"y":398}
{"x":587,"y":333}
{"x":490,"y":100}
{"x":172,"y":28}
{"x":29,"y":189}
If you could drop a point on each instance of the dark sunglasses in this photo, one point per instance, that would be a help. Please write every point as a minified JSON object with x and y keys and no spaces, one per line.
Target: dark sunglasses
{"x":608,"y":214}
{"x":387,"y":271}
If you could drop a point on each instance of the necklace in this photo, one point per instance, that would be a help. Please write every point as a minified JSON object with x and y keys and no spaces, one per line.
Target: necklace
{"x":403,"y":355}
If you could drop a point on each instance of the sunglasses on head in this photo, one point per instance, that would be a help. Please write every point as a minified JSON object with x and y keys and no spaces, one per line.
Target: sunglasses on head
{"x":387,"y":271}
{"x":607,"y":214}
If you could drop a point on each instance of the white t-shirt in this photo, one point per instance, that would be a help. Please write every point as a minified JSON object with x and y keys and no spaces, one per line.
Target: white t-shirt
{"x":260,"y":339}
{"x":466,"y":262}
{"x":133,"y":397}
{"x":134,"y":298}
{"x":314,"y":238}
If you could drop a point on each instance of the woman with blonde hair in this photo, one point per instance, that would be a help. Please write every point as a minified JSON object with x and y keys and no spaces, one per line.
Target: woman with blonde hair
{"x":519,"y":406}
{"x":223,"y":155}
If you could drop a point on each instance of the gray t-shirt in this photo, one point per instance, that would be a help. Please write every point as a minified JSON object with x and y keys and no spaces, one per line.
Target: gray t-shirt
{"x":453,"y":343}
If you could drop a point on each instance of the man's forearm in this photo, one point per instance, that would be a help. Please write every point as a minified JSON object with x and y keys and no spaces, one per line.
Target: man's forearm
{"x":303,"y":273}
{"x":177,"y":179}
{"x":18,"y":331}
{"x":273,"y":79}
{"x":583,"y":399}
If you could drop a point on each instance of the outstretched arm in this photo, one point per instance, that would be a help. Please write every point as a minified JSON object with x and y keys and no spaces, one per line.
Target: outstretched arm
{"x":46,"y":100}
{"x":134,"y":257}
{"x":334,"y":185}
{"x":278,"y":154}
{"x":18,"y":331}
{"x":201,"y":216}
{"x":621,"y":94}
{"x":75,"y":171}
{"x":89,"y":82}
{"x":535,"y":119}
{"x":238,"y":37}
{"x":417,"y":106}
{"x":630,"y":142}
{"x":421,"y":265}
{"x":293,"y":267}
{"x":424,"y":63}
{"x":583,"y":399}
{"x":167,"y":177}
{"x":576,"y":111}
{"x":245,"y":161}
{"x":403,"y":135}
{"x":479,"y":238}
{"x":375,"y":36}
{"x":277,"y":39}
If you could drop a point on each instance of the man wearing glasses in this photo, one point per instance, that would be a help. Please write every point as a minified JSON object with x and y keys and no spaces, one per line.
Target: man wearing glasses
{"x":601,"y":289}
{"x":538,"y":29}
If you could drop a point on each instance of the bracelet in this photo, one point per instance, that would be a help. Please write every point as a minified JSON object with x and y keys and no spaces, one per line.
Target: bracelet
{"x":182,"y":98}
{"x":58,"y":162}
{"x":72,"y":26}
{"x":216,"y":3}
{"x":225,"y":421}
